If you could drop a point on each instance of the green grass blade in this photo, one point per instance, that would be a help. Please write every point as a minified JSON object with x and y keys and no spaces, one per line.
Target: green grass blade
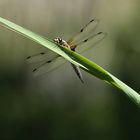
{"x":75,"y":58}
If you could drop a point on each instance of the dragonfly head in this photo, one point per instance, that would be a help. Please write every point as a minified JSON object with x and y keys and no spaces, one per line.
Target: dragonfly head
{"x":60,"y":41}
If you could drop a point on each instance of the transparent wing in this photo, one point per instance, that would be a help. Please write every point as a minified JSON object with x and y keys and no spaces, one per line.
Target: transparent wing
{"x":89,"y":42}
{"x":48,"y":65}
{"x":42,"y":56}
{"x":45,"y":62}
{"x":84,"y":32}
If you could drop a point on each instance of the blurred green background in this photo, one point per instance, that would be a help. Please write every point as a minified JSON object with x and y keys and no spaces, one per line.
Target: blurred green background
{"x":57,"y":106}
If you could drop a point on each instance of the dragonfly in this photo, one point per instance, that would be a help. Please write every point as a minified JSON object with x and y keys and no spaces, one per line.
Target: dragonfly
{"x":82,"y":41}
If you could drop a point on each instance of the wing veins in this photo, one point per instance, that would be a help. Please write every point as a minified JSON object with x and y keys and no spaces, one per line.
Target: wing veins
{"x":42,"y":64}
{"x":89,"y":39}
{"x":74,"y":40}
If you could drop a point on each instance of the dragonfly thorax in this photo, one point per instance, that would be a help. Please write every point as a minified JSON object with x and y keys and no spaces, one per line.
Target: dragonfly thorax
{"x":61,"y":42}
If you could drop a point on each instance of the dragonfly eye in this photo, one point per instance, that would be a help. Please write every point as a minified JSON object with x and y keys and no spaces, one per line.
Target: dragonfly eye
{"x":60,"y":39}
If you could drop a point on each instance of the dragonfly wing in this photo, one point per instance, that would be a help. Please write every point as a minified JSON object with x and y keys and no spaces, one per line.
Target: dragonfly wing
{"x":48,"y":66}
{"x":89,"y":42}
{"x":84,"y":32}
{"x":42,"y":56}
{"x":45,"y":62}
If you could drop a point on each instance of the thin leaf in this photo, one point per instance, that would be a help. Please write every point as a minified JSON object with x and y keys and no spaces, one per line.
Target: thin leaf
{"x":76,"y":59}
